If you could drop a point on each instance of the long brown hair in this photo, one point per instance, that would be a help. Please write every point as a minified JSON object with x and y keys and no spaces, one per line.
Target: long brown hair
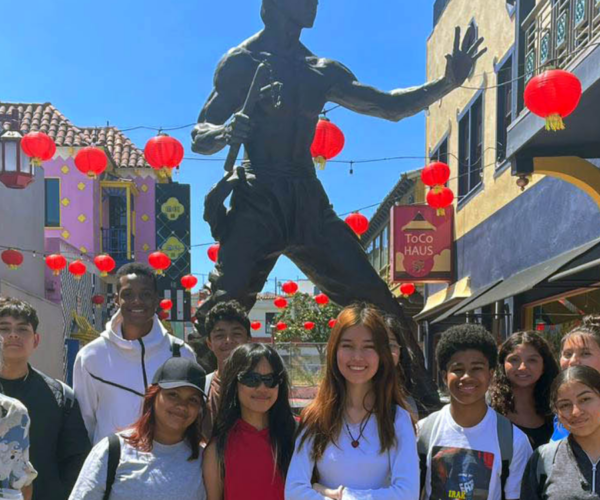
{"x":142,"y":431}
{"x":322,"y":419}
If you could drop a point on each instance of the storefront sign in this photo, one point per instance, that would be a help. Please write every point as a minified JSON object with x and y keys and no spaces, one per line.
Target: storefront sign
{"x":421,"y":244}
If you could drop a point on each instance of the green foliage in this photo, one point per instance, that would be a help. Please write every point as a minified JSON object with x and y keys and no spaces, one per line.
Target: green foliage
{"x":302,"y":308}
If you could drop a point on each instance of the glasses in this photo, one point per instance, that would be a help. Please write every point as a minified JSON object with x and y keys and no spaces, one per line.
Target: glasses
{"x":253,"y":379}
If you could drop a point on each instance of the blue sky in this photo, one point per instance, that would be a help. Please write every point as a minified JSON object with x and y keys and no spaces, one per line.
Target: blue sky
{"x":151,"y":62}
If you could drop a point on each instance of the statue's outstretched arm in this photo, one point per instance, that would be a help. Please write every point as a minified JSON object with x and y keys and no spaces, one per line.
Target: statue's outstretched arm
{"x":399,"y":104}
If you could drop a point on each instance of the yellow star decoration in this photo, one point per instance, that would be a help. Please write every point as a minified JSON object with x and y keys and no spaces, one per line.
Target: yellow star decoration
{"x":65,"y":202}
{"x":65,"y":234}
{"x":81,"y":186}
{"x":145,"y":218}
{"x":83,"y":249}
{"x":146,"y":247}
{"x":144,"y":188}
{"x":82,"y":218}
{"x":64,"y":169}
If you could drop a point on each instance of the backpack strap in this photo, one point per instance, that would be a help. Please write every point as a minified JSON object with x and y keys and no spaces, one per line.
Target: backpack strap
{"x":547,"y":456}
{"x":505,"y":439}
{"x":114,"y":454}
{"x":426,"y":427}
{"x":175,"y":345}
{"x":68,"y":398}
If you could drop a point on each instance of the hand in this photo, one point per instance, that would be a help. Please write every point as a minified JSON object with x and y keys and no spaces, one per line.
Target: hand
{"x":238,"y":129}
{"x":460,"y":63}
{"x":328,"y":492}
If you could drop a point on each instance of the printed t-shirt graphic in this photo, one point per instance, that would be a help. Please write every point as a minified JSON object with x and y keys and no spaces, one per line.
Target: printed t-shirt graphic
{"x":459,"y":473}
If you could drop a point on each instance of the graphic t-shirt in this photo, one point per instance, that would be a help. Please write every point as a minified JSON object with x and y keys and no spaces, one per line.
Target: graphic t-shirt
{"x":465,"y":462}
{"x":15,"y":469}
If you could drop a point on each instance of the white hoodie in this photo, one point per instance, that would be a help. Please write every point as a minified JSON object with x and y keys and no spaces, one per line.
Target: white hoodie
{"x":111,"y":375}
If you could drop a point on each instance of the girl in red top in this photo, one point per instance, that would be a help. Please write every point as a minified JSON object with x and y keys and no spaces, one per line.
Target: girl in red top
{"x":253,"y":437}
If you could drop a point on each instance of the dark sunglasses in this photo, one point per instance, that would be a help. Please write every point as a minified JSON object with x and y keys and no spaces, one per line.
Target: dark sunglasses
{"x":253,"y":379}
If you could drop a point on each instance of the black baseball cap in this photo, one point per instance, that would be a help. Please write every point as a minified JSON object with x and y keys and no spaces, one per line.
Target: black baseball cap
{"x":180,"y":372}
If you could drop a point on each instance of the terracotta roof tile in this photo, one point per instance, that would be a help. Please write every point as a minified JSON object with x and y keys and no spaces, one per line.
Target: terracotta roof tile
{"x":33,"y":117}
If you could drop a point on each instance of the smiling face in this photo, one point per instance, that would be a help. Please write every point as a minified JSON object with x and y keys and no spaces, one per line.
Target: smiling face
{"x":578,"y":408}
{"x":225,"y":337}
{"x":357,"y":358}
{"x":468,"y":377}
{"x":524,"y":366}
{"x":580,"y":349}
{"x":176,"y":409}
{"x":19,"y":339}
{"x":137,"y":299}
{"x":258,"y":399}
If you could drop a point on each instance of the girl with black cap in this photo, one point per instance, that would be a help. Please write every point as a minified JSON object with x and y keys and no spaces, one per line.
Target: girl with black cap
{"x":160,"y":455}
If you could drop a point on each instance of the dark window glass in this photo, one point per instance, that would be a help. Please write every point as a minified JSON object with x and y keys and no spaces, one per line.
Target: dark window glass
{"x":470,"y":148}
{"x":504,"y":108}
{"x":52,"y":210}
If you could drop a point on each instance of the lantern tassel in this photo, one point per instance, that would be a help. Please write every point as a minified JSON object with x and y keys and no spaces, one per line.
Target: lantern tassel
{"x":12,"y":267}
{"x":320,"y":162}
{"x":440,"y":212}
{"x":554,"y":122}
{"x":103,"y":274}
{"x":36,"y":162}
{"x":437,"y":189}
{"x":159,"y":272}
{"x":56,"y":272}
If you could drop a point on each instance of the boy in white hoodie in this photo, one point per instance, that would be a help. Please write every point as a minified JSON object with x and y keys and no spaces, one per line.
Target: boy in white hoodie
{"x":112,"y":372}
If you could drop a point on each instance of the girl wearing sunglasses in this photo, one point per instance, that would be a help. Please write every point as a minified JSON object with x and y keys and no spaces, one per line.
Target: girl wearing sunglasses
{"x":356,"y":439}
{"x":253,"y":437}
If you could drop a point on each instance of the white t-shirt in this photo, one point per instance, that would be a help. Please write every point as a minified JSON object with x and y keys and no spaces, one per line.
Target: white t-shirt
{"x":465,"y":462}
{"x":366,"y":473}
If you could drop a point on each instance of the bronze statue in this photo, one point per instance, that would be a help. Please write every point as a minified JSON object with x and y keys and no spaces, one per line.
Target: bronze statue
{"x":278,"y":206}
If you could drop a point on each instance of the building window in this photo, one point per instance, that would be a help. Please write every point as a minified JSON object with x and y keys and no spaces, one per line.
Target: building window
{"x":376,"y":253}
{"x":470,"y":148}
{"x":52,"y":209}
{"x":441,"y":152}
{"x":269,"y":322}
{"x":385,"y":251}
{"x":504,"y":108}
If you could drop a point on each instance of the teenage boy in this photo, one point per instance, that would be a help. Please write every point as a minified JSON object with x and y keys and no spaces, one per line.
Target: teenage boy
{"x":112,"y":372}
{"x":59,"y":441}
{"x":467,"y":450}
{"x":227,"y":327}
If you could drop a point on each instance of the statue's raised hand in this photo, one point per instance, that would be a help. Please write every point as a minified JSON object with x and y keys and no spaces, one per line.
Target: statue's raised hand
{"x":460,"y":63}
{"x":238,"y":129}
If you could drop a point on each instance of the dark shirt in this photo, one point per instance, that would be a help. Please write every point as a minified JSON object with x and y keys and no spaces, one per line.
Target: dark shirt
{"x":212,"y":407}
{"x":59,"y":440}
{"x":539,"y":435}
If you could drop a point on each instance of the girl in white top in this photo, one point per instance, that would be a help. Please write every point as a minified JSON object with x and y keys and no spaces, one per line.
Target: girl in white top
{"x":356,"y":439}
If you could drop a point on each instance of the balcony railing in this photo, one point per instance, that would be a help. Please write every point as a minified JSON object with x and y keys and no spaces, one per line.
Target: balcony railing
{"x":557,"y":31}
{"x":114,"y":242}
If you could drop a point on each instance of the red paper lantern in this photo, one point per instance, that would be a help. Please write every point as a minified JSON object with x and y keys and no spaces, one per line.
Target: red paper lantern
{"x":327,"y":143}
{"x":91,"y":161}
{"x":322,"y":299}
{"x":407,"y":289}
{"x":162,"y":315}
{"x":309,"y":325}
{"x":280,"y":326}
{"x":12,"y":258}
{"x":435,"y":174}
{"x":105,"y":264}
{"x":166,"y":304}
{"x":159,"y":261}
{"x":163,"y":153}
{"x":289,"y":287}
{"x":553,"y":95}
{"x":56,"y":262}
{"x":440,"y":199}
{"x":213,"y":252}
{"x":97,"y":300}
{"x":77,"y":269}
{"x":38,"y":146}
{"x":188,"y":282}
{"x":358,"y":223}
{"x":255,"y":325}
{"x":280,"y":303}
{"x":331,"y":323}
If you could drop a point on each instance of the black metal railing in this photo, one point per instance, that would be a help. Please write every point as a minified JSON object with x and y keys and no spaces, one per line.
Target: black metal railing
{"x":557,"y":31}
{"x":114,"y":242}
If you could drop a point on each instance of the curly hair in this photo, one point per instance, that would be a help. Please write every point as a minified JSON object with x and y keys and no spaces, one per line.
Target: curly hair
{"x":462,"y":338}
{"x":19,"y":309}
{"x":227,"y":311}
{"x":501,"y":393}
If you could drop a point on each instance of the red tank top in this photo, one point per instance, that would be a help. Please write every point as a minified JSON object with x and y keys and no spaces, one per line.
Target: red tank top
{"x":249,"y":466}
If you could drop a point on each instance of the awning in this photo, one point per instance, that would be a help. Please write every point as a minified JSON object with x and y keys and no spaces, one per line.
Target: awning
{"x":445,"y":298}
{"x":527,"y":279}
{"x":586,"y":262}
{"x":475,"y":296}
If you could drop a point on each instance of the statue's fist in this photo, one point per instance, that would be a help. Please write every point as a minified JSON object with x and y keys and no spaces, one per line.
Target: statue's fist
{"x":238,"y":129}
